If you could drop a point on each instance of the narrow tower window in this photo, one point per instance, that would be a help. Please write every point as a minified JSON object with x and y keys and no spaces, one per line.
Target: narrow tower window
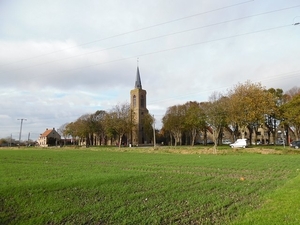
{"x":142,"y":101}
{"x":134,"y":101}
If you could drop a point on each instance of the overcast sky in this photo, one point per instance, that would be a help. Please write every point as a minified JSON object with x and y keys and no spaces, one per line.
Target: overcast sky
{"x":60,"y":59}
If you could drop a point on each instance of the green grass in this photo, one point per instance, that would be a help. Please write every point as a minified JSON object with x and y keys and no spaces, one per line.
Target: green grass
{"x":133,"y":186}
{"x":280,"y":207}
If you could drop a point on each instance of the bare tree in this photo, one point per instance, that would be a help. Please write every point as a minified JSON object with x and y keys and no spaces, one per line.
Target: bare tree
{"x":98,"y":119}
{"x":194,"y":119}
{"x":62,"y":130}
{"x":173,"y":121}
{"x":119,"y":121}
{"x":216,"y":115}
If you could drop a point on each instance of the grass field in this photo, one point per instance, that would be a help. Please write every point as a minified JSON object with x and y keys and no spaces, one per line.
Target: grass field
{"x":136,"y":186}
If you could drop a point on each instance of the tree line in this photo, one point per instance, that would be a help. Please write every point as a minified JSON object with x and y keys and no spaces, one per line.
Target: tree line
{"x":242,"y":110}
{"x":105,"y":128}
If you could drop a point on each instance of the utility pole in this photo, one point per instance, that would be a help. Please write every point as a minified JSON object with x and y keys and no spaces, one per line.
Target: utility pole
{"x":21,"y":130}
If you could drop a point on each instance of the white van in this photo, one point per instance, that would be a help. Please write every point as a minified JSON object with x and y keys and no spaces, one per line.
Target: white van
{"x":239,"y":143}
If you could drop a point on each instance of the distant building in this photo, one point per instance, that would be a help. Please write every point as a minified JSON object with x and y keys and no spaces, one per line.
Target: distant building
{"x":139,"y":108}
{"x":49,"y":138}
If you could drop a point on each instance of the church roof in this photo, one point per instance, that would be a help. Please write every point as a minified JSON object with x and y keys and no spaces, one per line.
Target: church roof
{"x":138,"y":83}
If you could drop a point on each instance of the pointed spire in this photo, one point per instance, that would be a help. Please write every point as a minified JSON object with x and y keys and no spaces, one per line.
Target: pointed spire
{"x":138,"y":83}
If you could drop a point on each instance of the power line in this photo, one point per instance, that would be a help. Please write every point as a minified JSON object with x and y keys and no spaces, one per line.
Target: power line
{"x":171,"y":49}
{"x":157,"y":37}
{"x":130,"y":32}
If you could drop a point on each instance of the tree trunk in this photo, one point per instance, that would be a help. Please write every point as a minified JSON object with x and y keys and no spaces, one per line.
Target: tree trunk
{"x":243,"y":131}
{"x":215,"y":133}
{"x":250,"y":135}
{"x":220,"y":136}
{"x":175,"y":140}
{"x":236,"y":132}
{"x":180,"y":139}
{"x":193,"y":136}
{"x":120,"y":140}
{"x":205,"y":137}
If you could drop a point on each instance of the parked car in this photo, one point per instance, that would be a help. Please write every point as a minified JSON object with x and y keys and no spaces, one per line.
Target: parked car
{"x":210,"y":142}
{"x":226,"y":142}
{"x":295,"y":144}
{"x":239,"y":143}
{"x":203,"y":142}
{"x":280,"y":142}
{"x":256,"y":143}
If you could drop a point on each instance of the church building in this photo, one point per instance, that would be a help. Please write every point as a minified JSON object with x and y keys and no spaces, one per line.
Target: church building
{"x":139,"y":109}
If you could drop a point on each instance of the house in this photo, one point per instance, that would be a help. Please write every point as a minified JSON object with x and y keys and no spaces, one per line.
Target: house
{"x":49,"y":138}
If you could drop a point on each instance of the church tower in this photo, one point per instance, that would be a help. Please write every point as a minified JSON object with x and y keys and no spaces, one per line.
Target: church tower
{"x":139,"y":110}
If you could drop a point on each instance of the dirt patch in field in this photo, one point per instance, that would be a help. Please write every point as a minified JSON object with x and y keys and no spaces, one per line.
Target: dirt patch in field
{"x":264,"y":151}
{"x":210,"y":150}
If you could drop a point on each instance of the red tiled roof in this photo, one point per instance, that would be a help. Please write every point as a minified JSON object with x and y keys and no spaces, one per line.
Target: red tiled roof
{"x":46,"y":133}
